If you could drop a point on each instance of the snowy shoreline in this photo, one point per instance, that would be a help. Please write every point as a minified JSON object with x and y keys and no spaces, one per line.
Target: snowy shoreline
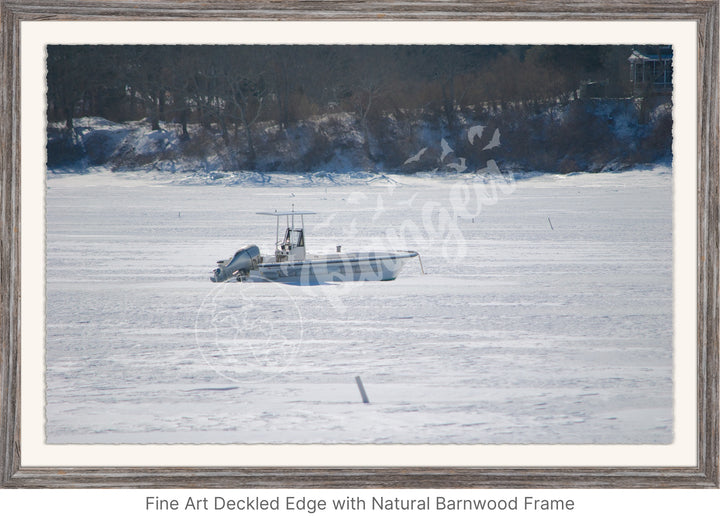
{"x":324,"y":179}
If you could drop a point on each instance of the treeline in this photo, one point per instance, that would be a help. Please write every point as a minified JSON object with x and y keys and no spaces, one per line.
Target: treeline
{"x":227,"y":89}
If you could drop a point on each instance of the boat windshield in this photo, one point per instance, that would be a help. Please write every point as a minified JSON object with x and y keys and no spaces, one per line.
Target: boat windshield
{"x":294,"y":237}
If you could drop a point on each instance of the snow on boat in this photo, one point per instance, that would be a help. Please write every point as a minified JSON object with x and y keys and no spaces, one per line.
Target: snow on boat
{"x":291,"y":264}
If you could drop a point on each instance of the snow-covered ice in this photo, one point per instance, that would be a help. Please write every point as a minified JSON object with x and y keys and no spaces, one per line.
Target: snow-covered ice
{"x":544,"y":314}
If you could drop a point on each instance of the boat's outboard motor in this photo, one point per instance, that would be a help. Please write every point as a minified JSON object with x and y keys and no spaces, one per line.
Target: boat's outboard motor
{"x":245,"y":259}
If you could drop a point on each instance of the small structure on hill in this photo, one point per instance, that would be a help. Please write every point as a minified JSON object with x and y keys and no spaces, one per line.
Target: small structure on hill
{"x":651,"y":70}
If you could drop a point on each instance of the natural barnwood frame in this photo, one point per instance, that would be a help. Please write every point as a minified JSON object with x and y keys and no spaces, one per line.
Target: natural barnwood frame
{"x":704,"y":474}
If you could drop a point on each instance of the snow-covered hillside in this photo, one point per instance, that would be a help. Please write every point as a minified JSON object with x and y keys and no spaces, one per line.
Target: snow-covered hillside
{"x":582,"y":135}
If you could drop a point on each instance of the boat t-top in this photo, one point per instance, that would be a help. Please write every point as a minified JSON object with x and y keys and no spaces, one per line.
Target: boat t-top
{"x":291,"y":263}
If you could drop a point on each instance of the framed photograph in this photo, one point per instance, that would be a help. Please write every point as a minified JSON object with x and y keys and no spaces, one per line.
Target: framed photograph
{"x":387,"y":245}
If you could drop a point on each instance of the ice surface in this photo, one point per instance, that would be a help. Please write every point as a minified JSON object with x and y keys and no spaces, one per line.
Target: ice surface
{"x":544,"y":315}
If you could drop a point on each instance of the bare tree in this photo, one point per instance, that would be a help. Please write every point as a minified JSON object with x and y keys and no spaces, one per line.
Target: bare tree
{"x":67,"y":81}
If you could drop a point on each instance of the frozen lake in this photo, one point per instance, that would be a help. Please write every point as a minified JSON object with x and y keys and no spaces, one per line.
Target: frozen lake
{"x":544,"y":314}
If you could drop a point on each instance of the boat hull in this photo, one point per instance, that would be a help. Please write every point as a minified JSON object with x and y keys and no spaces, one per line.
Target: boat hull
{"x":371,"y":266}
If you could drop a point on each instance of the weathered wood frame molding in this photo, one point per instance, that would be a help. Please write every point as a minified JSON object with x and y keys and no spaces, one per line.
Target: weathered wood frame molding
{"x":704,"y":474}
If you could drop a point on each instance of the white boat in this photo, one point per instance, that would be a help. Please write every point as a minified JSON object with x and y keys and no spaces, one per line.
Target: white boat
{"x":290,"y":263}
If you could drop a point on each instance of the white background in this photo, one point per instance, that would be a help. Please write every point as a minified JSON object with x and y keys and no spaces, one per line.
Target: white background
{"x":591,"y":506}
